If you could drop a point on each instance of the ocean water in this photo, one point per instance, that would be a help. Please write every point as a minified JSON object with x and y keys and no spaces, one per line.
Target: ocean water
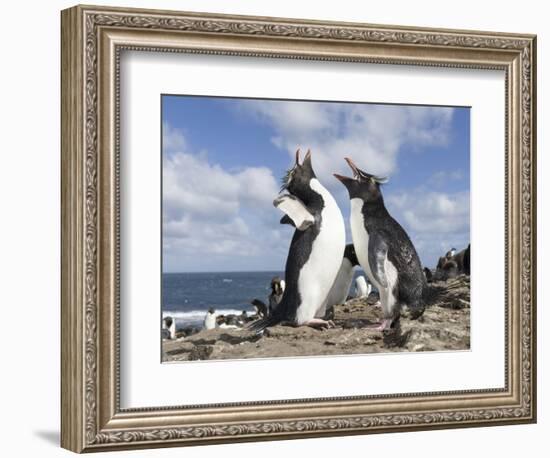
{"x":187,"y":296}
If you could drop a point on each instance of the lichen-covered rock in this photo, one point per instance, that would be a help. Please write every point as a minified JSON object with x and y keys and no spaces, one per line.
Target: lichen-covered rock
{"x":445,"y":325}
{"x":200,"y":352}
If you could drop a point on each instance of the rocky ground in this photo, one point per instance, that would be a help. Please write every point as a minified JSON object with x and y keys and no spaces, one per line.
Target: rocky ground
{"x":445,"y":325}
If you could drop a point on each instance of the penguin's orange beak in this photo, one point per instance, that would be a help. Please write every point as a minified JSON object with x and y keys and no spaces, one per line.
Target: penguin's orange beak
{"x":346,"y":181}
{"x":352,"y":166}
{"x":342,"y":178}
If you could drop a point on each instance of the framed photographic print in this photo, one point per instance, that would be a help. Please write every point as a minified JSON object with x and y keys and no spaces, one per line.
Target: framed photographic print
{"x":277,"y":228}
{"x":219,"y":223}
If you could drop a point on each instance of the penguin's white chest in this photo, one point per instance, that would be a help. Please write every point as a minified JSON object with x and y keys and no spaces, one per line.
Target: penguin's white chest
{"x":360,"y":237}
{"x":319,"y":272}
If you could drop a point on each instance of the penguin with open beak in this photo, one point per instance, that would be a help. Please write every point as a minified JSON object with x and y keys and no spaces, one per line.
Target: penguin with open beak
{"x":383,"y":248}
{"x":316,"y":249}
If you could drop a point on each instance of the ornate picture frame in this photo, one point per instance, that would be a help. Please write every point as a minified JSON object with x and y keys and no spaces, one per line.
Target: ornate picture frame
{"x":92,"y":41}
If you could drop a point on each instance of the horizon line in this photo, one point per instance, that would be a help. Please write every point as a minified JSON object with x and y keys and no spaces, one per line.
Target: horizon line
{"x":222,"y":271}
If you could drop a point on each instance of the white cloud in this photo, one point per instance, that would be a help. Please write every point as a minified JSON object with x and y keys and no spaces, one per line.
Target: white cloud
{"x":195,"y":238}
{"x":193,"y":186}
{"x":443,"y":177}
{"x":371,"y":134}
{"x":172,"y":138}
{"x":299,"y":118}
{"x":188,"y":228}
{"x":433,"y":212}
{"x":435,"y":221}
{"x":211,"y":215}
{"x":257,"y":187}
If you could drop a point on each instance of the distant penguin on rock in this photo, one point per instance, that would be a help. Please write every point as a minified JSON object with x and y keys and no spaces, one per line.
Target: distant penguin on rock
{"x":277,"y":289}
{"x":243,"y":318}
{"x":450,"y":253}
{"x":444,"y":259}
{"x":260,"y":307}
{"x":428,"y":273}
{"x":383,"y":248}
{"x":316,"y":249}
{"x":210,"y":319}
{"x":450,"y":269}
{"x":169,"y":326}
{"x":362,"y":288}
{"x":453,"y":264}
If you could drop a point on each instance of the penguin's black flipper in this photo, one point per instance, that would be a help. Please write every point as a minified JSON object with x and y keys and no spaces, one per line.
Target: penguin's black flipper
{"x":287,"y":220}
{"x":295,"y":210}
{"x":278,"y":316}
{"x":259,"y":325}
{"x":378,"y":252}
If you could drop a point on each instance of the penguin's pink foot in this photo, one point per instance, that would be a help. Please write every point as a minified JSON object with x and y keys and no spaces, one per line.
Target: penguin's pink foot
{"x":383,"y":325}
{"x":386,"y":324}
{"x":319,"y":323}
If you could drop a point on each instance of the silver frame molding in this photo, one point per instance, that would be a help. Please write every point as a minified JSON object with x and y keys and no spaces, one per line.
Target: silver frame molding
{"x":92,"y":40}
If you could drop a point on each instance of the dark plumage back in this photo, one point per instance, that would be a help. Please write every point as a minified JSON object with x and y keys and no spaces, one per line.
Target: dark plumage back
{"x":297,"y":257}
{"x":411,"y":282}
{"x":351,"y":255}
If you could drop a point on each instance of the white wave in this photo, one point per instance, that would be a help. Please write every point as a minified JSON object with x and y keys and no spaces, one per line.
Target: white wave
{"x":197,"y":315}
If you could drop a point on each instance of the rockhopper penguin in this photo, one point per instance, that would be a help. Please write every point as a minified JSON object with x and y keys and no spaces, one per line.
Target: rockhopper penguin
{"x":383,"y":248}
{"x":277,"y":290}
{"x":316,"y":249}
{"x":169,"y":325}
{"x":210,"y":319}
{"x":362,"y":287}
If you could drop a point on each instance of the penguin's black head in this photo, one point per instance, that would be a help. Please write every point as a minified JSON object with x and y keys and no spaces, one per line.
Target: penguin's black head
{"x":168,"y":321}
{"x":363,"y":185}
{"x":350,"y":255}
{"x":211,"y":310}
{"x":428,"y":273}
{"x":297,"y":179}
{"x":450,"y":253}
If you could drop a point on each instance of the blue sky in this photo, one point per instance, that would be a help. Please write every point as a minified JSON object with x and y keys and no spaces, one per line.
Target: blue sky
{"x":223,"y":159}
